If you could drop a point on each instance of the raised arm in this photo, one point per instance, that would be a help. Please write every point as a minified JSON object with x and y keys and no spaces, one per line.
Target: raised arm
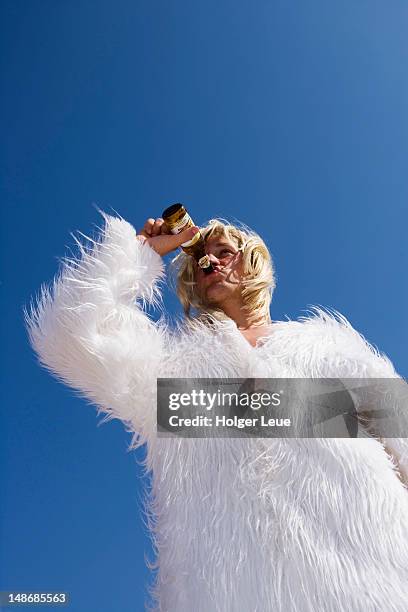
{"x":89,"y":328}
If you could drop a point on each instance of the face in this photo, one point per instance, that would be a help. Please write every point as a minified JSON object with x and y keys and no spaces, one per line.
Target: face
{"x":224,"y":283}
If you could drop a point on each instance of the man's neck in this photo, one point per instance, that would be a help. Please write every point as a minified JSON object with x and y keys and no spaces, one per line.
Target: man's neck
{"x":252,"y":334}
{"x":244,"y":320}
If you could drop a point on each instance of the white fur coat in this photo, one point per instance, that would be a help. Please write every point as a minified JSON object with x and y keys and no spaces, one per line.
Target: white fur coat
{"x":239,"y":525}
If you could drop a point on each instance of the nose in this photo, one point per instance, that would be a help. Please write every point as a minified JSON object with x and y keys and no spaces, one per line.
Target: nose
{"x":213,"y":259}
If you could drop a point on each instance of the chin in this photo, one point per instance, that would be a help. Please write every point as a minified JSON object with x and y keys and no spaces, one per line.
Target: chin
{"x":215,"y":292}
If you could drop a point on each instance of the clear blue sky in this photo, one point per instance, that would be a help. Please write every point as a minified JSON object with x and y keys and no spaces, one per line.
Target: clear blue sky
{"x":289,"y":116}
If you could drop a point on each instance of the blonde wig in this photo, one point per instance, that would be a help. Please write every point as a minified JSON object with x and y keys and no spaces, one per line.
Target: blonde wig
{"x":259,"y":274}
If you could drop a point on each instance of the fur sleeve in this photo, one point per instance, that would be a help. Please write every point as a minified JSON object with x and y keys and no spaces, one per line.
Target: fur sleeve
{"x":349,"y":355}
{"x":88,"y":329}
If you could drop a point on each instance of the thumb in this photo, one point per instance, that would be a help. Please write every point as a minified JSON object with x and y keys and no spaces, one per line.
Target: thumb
{"x":184,"y":236}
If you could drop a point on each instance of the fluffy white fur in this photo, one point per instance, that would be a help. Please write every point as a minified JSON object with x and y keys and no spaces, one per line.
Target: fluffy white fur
{"x":239,"y":525}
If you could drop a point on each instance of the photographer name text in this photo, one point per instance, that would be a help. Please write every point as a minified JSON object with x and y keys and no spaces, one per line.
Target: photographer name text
{"x":223,"y":421}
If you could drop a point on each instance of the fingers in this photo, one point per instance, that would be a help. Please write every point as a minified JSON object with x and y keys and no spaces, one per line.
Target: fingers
{"x":157,"y":234}
{"x":154,"y":227}
{"x":165,"y":229}
{"x":185,"y":235}
{"x":147,"y":228}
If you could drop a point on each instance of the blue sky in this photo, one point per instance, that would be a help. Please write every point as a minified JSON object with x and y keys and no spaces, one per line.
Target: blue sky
{"x":290,"y":117}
